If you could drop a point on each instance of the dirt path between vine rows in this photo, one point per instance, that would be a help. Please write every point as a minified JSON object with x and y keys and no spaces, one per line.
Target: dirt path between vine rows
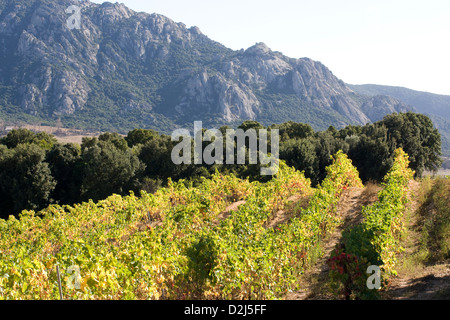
{"x":313,"y":283}
{"x":416,"y":281}
{"x":423,"y":282}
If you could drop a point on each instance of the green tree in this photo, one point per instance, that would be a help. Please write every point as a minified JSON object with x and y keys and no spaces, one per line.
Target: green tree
{"x":16,"y":137}
{"x":25,"y":180}
{"x":21,"y":136}
{"x":116,"y":139}
{"x":156,"y":154}
{"x":326,"y":146}
{"x":417,"y":136}
{"x":251,"y":124}
{"x":349,"y":131}
{"x":108,"y":169}
{"x":333,"y":131}
{"x":291,"y":130}
{"x":301,"y":154}
{"x":65,"y":165}
{"x":140,"y":136}
{"x":371,"y":152}
{"x":3,"y":151}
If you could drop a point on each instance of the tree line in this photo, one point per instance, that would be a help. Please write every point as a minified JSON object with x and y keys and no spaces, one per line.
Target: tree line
{"x":36,"y":170}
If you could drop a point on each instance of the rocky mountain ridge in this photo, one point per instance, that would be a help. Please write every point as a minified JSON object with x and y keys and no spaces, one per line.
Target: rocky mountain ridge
{"x":124,"y":69}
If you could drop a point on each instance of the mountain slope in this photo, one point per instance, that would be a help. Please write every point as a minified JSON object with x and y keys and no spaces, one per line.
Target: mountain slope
{"x":125,"y":69}
{"x":424,"y":102}
{"x":436,"y":106}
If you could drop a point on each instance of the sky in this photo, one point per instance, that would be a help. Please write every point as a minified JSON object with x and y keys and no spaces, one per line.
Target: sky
{"x":389,"y":42}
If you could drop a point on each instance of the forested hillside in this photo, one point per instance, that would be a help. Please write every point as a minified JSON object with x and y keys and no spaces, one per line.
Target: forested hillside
{"x":123,"y":70}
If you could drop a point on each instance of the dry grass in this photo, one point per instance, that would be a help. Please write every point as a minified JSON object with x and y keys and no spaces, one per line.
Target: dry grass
{"x":63,"y":135}
{"x":370,"y":193}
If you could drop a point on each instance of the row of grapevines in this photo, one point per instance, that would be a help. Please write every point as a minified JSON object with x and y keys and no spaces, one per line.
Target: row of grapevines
{"x":244,"y":260}
{"x":341,"y":175}
{"x":235,"y":258}
{"x":374,"y":242}
{"x":319,"y":219}
{"x":114,"y":250}
{"x":106,"y":240}
{"x":118,"y":253}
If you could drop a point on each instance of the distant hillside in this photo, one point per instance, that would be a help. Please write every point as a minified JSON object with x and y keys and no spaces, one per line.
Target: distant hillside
{"x":125,"y":69}
{"x":424,"y":102}
{"x":436,"y":106}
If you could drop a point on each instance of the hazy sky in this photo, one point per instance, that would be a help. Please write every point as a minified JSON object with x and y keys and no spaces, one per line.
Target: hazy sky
{"x":397,"y":42}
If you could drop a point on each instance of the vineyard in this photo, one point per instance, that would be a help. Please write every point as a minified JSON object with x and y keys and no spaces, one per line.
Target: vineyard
{"x":375,"y":241}
{"x":219,"y":240}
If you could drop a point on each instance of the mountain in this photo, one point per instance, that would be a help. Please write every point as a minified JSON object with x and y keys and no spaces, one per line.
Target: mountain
{"x":436,"y":106}
{"x":124,"y":69}
{"x":424,"y":102}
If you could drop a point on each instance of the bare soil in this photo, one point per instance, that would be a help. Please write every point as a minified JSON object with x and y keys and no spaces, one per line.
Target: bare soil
{"x":417,"y":281}
{"x":283,"y":216}
{"x":314,"y":283}
{"x":229,"y":210}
